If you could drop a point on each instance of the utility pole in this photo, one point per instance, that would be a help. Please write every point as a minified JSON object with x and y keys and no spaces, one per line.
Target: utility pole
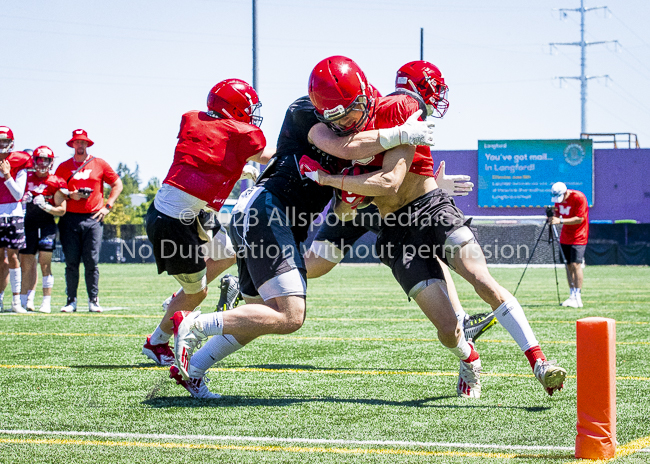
{"x":421,"y":43}
{"x":255,"y":44}
{"x":583,"y":78}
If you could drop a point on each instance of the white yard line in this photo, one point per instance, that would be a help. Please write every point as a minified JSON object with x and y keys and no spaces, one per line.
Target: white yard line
{"x":313,"y":441}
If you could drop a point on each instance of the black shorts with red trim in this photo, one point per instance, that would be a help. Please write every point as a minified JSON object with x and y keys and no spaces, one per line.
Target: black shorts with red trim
{"x":412,"y":238}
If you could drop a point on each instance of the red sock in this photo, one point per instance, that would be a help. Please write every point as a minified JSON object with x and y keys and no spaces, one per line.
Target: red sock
{"x":533,"y":354}
{"x":473,"y":356}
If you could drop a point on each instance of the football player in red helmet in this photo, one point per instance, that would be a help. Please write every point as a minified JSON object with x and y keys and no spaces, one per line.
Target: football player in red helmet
{"x":212,"y":150}
{"x":408,"y":195}
{"x":45,"y":198}
{"x":6,"y":139}
{"x":340,"y":92}
{"x":426,"y":80}
{"x":13,"y":166}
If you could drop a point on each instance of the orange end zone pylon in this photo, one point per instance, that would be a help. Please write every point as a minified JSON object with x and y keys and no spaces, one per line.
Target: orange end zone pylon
{"x":596,"y":340}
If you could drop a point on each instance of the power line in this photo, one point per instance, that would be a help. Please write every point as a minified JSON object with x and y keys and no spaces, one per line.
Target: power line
{"x":583,"y":78}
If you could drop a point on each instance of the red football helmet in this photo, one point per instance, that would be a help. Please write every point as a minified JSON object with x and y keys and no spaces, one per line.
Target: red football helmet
{"x":337,"y":87}
{"x":427,"y":80}
{"x":43,"y":159}
{"x":235,"y":99}
{"x":6,"y":139}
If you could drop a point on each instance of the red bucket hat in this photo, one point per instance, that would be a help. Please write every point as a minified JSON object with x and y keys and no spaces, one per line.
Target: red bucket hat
{"x":80,"y":134}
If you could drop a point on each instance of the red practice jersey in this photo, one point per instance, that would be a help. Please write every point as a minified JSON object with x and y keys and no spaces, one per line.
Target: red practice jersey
{"x":575,"y":205}
{"x":46,"y":186}
{"x":18,"y":160}
{"x":92,"y":175}
{"x":210,"y":156}
{"x":392,"y":111}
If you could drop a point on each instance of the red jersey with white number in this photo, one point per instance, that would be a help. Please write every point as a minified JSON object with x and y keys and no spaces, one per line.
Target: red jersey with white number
{"x":210,"y":156}
{"x":93,"y":175}
{"x":18,"y":160}
{"x":392,"y":111}
{"x":46,"y":186}
{"x":574,"y":205}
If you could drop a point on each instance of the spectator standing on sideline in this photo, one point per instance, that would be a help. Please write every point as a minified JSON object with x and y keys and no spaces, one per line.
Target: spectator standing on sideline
{"x":45,"y":199}
{"x":82,"y":227}
{"x":13,"y":167}
{"x":572,"y":211}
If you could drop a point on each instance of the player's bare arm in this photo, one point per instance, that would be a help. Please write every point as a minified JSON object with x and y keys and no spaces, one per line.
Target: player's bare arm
{"x":385,"y":181}
{"x":370,"y":143}
{"x":263,"y":156}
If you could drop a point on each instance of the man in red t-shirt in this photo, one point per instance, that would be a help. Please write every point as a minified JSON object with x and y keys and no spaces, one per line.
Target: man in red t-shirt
{"x":82,"y":227}
{"x":572,"y":211}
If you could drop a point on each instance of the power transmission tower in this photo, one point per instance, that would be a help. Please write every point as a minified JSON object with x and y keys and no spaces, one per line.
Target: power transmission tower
{"x":583,"y":78}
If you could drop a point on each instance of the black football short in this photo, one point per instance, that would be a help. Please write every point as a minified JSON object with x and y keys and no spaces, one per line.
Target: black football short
{"x":265,"y":243}
{"x":39,"y":237}
{"x":412,"y":237}
{"x":12,"y":232}
{"x":176,"y":245}
{"x":573,"y":253}
{"x":344,"y":234}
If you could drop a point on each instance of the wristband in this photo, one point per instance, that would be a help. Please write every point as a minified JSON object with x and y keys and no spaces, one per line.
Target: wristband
{"x":561,"y":220}
{"x":390,"y":138}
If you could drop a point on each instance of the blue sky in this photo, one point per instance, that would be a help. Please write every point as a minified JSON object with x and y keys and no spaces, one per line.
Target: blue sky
{"x":127,"y":70}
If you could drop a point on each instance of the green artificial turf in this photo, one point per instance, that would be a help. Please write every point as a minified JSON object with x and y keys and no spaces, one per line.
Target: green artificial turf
{"x":366,"y":366}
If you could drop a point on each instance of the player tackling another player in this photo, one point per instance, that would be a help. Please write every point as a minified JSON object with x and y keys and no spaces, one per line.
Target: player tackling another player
{"x":400,"y":179}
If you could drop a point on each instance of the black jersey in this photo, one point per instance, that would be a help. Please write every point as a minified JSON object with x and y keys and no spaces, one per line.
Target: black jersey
{"x":304,"y":197}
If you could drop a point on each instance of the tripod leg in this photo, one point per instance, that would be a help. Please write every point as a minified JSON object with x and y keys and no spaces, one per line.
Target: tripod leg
{"x":530,"y":258}
{"x":557,"y":282}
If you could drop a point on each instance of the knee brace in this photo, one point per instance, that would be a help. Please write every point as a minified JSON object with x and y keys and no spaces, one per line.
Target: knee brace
{"x":458,"y":239}
{"x":192,"y":283}
{"x":417,"y":288}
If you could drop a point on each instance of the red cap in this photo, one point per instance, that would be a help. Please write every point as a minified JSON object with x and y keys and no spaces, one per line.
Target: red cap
{"x":80,"y":134}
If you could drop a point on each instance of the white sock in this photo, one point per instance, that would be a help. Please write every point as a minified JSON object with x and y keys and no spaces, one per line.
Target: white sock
{"x":578,"y":291}
{"x":159,"y":337}
{"x":15,"y":278}
{"x":212,"y":323}
{"x":511,"y":316}
{"x":461,"y":315}
{"x":214,"y":350}
{"x":23,"y":300}
{"x":47,"y":299}
{"x":463,"y":350}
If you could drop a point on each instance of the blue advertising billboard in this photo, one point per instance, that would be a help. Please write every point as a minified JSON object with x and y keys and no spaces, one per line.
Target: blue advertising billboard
{"x":519,"y":173}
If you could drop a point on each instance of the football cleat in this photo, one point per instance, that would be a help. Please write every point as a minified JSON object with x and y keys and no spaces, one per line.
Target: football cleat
{"x":469,"y":382}
{"x":166,"y":303}
{"x":70,"y":306}
{"x":16,"y":307}
{"x":93,"y":306}
{"x":188,"y":337}
{"x":161,"y":354}
{"x":195,"y":385}
{"x":45,"y":307}
{"x":476,"y":325}
{"x":550,"y":375}
{"x":579,"y":300}
{"x":230,"y":296}
{"x":571,"y":302}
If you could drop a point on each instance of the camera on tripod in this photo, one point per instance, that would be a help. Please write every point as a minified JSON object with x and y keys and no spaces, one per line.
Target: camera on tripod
{"x":550,"y":211}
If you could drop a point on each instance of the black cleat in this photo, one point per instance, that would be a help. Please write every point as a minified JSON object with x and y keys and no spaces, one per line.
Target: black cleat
{"x":476,"y":325}
{"x":230,"y":296}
